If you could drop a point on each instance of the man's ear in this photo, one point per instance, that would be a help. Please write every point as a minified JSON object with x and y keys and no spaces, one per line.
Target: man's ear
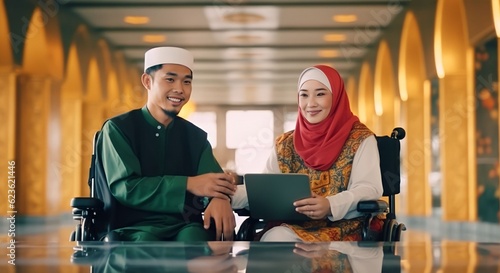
{"x":147,"y":81}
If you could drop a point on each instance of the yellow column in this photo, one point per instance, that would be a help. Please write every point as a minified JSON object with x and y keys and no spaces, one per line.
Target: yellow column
{"x":71,"y":140}
{"x":417,"y":252}
{"x":7,"y":134}
{"x":456,"y":121}
{"x":93,"y":114}
{"x":417,"y":159}
{"x":457,"y":254}
{"x":387,"y":121}
{"x":33,"y":102}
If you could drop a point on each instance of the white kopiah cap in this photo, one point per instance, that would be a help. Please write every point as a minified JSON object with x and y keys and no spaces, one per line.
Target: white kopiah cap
{"x":313,"y":73}
{"x":168,"y":55}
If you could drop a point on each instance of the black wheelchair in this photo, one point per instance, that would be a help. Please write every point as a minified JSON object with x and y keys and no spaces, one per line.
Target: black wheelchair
{"x":389,"y":152}
{"x":95,"y":220}
{"x":88,"y":210}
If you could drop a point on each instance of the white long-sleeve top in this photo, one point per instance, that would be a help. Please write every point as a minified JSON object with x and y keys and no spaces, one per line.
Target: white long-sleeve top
{"x":365,"y":182}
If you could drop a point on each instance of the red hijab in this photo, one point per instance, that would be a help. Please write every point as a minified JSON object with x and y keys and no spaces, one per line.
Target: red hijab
{"x":320,"y":144}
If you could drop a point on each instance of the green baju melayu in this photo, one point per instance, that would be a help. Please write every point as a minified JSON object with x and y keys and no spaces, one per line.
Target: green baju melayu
{"x":146,"y":166}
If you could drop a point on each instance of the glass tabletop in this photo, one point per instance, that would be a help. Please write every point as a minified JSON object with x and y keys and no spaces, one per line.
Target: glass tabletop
{"x":362,"y":257}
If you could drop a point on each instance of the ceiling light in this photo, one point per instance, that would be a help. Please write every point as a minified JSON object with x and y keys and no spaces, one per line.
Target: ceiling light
{"x":243,"y":17}
{"x":152,"y":38}
{"x":249,"y":54}
{"x":246,"y":38}
{"x":328,"y":53}
{"x":345,"y":18}
{"x":334,"y":37}
{"x":136,"y":20}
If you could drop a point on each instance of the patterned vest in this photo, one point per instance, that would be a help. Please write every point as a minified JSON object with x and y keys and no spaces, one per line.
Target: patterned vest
{"x":324,"y":183}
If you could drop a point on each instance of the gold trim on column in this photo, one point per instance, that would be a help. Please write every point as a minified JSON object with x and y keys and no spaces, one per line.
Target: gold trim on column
{"x":31,"y":146}
{"x":352,"y":94}
{"x":384,"y":90}
{"x":456,"y":254}
{"x":71,"y":131}
{"x":93,"y":116}
{"x":417,"y":254}
{"x":456,"y":111}
{"x":7,"y":136}
{"x":455,"y":116}
{"x":417,"y":154}
{"x":366,"y":106}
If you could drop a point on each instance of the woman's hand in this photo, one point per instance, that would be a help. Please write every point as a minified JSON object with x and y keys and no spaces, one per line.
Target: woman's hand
{"x":316,"y":207}
{"x":312,"y":250}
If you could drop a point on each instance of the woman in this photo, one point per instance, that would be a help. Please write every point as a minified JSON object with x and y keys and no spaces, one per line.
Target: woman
{"x":338,"y":153}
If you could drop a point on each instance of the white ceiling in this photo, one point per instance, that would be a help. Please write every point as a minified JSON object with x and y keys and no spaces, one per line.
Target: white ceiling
{"x":245,"y":63}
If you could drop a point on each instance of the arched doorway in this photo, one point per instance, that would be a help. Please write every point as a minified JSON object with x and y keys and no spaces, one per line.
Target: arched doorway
{"x":385,"y":97}
{"x":417,"y":103}
{"x":456,"y":108}
{"x":352,"y":93}
{"x":8,"y":105}
{"x":38,"y":123}
{"x":366,"y":103}
{"x":71,"y":128}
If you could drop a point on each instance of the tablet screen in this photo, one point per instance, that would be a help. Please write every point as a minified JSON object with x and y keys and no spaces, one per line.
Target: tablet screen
{"x":271,"y":196}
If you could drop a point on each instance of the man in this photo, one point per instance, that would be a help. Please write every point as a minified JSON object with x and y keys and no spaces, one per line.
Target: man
{"x":159,"y":167}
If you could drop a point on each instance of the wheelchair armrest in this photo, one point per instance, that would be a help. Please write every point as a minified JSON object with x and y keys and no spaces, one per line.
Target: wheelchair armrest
{"x":372,"y":206}
{"x":86,"y":203}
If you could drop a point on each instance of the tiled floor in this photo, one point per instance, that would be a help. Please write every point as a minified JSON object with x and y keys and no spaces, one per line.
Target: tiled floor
{"x":429,"y":245}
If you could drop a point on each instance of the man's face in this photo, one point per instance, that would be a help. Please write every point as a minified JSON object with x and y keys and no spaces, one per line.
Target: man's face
{"x":169,"y":88}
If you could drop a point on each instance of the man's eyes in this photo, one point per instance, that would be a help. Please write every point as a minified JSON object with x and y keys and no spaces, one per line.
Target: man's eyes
{"x":172,"y":80}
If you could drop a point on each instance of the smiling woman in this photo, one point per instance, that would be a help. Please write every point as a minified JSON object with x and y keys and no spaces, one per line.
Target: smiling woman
{"x":336,"y":151}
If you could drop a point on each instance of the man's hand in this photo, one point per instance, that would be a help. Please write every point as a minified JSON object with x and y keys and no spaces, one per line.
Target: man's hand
{"x":218,"y":185}
{"x":220,"y":210}
{"x":315,"y":208}
{"x":219,"y":261}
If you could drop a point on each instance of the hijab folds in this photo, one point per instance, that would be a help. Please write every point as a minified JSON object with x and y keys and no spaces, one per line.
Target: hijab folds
{"x":320,"y":144}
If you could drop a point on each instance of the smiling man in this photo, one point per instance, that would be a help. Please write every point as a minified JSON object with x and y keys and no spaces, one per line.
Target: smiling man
{"x":159,"y":167}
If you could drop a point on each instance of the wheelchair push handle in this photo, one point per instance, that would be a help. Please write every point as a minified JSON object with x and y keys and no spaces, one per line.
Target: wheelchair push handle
{"x":398,"y":133}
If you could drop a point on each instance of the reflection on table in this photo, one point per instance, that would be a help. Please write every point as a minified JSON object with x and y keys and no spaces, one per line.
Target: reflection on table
{"x":250,"y":257}
{"x":419,"y":252}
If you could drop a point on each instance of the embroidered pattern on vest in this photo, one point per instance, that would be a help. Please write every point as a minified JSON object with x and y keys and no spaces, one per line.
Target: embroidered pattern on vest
{"x":325,"y":183}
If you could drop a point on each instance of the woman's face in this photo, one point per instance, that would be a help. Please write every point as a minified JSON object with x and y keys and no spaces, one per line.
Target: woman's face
{"x":315,"y":101}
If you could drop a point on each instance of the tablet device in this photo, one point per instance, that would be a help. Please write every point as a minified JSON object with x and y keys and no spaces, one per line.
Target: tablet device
{"x":271,"y":196}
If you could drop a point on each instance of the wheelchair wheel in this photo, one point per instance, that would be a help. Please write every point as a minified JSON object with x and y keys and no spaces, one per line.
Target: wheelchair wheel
{"x":399,"y":229}
{"x":389,"y":230}
{"x":78,"y":233}
{"x":246,"y":231}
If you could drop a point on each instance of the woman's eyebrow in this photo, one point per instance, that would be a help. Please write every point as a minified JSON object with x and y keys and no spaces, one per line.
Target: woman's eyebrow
{"x":320,"y":89}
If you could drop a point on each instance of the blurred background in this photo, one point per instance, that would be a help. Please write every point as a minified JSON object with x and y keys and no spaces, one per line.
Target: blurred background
{"x":428,"y":66}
